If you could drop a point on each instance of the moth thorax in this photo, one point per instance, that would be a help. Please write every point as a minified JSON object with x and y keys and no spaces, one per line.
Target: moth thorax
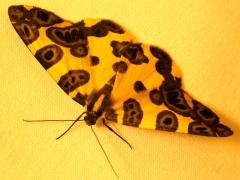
{"x":90,"y":118}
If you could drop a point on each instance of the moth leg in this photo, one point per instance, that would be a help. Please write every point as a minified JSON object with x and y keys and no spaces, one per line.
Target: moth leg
{"x":105,"y":124}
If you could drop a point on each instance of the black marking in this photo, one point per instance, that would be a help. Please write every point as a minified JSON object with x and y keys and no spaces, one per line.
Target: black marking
{"x":164,"y":63}
{"x":71,"y":36}
{"x":139,"y":86}
{"x":17,"y":13}
{"x":120,"y":67}
{"x":204,"y":114}
{"x":112,"y":26}
{"x":223,"y":131}
{"x":198,"y":128}
{"x":49,"y":55}
{"x":80,"y":51}
{"x":81,"y":78}
{"x":94,"y":60}
{"x":155,"y":97}
{"x":111,"y":115}
{"x":134,"y":53}
{"x":167,"y":121}
{"x":133,"y":113}
{"x":80,"y":98}
{"x":116,"y":48}
{"x":174,"y":99}
{"x":44,"y":18}
{"x":96,"y":30}
{"x":101,"y":29}
{"x":27,"y":31}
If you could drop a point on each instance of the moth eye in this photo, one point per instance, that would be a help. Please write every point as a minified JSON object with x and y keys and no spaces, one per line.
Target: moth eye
{"x":167,"y":121}
{"x":49,"y":55}
{"x":133,"y":113}
{"x":94,"y":60}
{"x":73,"y":82}
{"x":199,"y":128}
{"x":155,"y":97}
{"x":139,"y":86}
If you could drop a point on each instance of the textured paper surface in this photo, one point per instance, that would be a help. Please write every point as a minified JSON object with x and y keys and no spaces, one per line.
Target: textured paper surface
{"x":203,"y":37}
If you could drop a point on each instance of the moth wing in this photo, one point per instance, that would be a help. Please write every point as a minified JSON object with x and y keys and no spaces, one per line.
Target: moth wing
{"x":149,"y":95}
{"x":77,"y":55}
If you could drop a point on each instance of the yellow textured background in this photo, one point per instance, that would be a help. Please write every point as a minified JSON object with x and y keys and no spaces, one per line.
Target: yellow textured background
{"x":202,"y":36}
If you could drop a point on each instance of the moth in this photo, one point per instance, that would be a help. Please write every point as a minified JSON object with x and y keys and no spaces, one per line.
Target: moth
{"x":101,"y":66}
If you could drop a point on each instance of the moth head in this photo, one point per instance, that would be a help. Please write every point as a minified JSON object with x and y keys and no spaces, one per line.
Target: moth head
{"x":90,"y":118}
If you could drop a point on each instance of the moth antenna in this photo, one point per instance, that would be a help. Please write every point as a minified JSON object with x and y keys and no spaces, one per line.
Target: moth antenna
{"x":51,"y":120}
{"x":104,"y":122}
{"x":75,"y":121}
{"x":104,"y":152}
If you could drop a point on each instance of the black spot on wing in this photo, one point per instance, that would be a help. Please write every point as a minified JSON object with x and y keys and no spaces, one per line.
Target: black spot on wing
{"x":223,"y":131}
{"x":167,"y":121}
{"x":73,"y":79}
{"x":120,"y":67}
{"x":94,"y":60}
{"x":49,"y":55}
{"x":174,"y":99}
{"x":71,"y":36}
{"x":134,"y":53}
{"x":204,"y":114}
{"x":27,"y":30}
{"x":139,"y":86}
{"x":133,"y":113}
{"x":79,"y":51}
{"x":44,"y":18}
{"x":164,"y":63}
{"x":155,"y":97}
{"x":199,"y":128}
{"x":101,"y":28}
{"x":17,"y":13}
